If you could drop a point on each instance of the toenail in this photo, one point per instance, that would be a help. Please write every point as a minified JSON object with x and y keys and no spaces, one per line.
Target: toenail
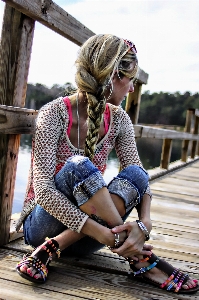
{"x":186,"y":287}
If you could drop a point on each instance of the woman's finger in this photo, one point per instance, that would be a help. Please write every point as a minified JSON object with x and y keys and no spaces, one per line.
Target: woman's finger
{"x":147,"y":247}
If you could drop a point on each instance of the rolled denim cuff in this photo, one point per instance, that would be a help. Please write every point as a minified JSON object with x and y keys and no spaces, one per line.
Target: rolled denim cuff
{"x":85,"y":189}
{"x":127,"y":191}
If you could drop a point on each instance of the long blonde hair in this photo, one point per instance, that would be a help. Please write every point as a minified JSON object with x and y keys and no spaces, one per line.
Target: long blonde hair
{"x":98,"y":59}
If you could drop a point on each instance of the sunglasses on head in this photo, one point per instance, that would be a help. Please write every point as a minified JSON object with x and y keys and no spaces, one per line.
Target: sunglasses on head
{"x":131,"y":46}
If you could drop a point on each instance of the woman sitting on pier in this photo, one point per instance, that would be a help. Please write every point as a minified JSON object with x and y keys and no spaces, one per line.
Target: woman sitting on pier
{"x":67,"y":199}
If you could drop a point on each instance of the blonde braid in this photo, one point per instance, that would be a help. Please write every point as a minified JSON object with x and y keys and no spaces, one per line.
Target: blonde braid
{"x":99,"y":58}
{"x":95,"y":112}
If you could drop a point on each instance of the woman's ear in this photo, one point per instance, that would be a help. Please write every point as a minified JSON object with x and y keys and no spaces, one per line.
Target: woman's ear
{"x":118,"y":76}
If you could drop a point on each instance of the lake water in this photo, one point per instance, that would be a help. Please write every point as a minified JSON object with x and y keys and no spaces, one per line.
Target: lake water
{"x":149,"y":151}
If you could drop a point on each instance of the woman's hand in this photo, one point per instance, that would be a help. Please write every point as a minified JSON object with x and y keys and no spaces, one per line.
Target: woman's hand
{"x":134,"y":244}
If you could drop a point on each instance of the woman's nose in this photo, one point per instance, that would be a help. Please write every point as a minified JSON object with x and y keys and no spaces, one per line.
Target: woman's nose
{"x":131,"y":87}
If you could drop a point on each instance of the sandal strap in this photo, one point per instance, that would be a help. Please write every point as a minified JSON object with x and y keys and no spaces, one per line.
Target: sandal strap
{"x":41,"y":258}
{"x":183,"y":279}
{"x":54,"y":246}
{"x":176,"y":276}
{"x":145,"y":269}
{"x":131,"y":261}
{"x":169,"y":279}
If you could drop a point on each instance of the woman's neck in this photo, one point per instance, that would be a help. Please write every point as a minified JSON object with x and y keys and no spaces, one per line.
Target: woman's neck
{"x":79,"y":101}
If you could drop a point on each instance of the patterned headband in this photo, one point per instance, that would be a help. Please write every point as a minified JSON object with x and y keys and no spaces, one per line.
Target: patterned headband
{"x":131,"y":46}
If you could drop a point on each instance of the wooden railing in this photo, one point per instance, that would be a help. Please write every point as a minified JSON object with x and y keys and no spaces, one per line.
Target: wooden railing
{"x":16,"y":120}
{"x":15,"y":53}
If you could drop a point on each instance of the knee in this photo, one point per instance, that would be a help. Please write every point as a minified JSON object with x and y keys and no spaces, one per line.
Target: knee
{"x":133,"y":172}
{"x":78,"y":167}
{"x":137,"y":176}
{"x":81,"y":164}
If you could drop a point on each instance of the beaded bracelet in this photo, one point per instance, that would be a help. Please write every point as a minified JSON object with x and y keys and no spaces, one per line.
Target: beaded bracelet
{"x":144,"y":229}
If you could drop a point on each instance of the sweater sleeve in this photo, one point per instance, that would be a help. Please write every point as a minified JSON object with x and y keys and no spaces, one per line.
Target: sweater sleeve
{"x":126,"y":147}
{"x":48,"y":131}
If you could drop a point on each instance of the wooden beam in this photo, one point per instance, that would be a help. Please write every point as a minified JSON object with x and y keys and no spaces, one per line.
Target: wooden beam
{"x":158,"y":133}
{"x":185,"y":143}
{"x":57,"y":19}
{"x":142,"y":76}
{"x":15,"y":51}
{"x":133,"y":103}
{"x":195,"y":131}
{"x":16,"y":120}
{"x":166,"y":153}
{"x":54,"y":17}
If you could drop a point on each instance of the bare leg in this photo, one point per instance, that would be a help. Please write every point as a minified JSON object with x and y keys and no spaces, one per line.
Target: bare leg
{"x":102,"y":206}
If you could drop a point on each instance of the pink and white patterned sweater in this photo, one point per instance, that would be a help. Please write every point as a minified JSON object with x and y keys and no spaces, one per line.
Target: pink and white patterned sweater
{"x":52,"y":147}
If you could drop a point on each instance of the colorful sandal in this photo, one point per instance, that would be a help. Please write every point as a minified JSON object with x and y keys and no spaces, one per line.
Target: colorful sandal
{"x":39,"y":261}
{"x":175,"y":280}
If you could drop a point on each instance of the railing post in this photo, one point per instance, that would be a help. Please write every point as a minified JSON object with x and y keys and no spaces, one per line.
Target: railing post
{"x":195,"y":131}
{"x":166,"y":153}
{"x":15,"y":51}
{"x":185,"y":143}
{"x":133,"y":103}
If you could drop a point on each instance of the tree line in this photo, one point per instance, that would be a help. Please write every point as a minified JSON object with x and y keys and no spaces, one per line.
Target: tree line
{"x":155,"y":108}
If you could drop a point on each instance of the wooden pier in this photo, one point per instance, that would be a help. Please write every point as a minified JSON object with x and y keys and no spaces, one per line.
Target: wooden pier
{"x":175,"y":215}
{"x":175,"y":187}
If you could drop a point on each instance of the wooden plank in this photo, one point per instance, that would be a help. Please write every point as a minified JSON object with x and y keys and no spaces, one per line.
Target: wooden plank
{"x":159,"y":195}
{"x":15,"y":51}
{"x":186,"y":190}
{"x":180,"y":182}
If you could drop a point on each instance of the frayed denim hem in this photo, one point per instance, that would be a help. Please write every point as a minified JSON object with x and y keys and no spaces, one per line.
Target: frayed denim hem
{"x":84,"y":190}
{"x":127,"y":191}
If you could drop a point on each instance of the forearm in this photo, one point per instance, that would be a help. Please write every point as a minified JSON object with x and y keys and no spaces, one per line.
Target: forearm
{"x":143,"y":210}
{"x":98,"y":232}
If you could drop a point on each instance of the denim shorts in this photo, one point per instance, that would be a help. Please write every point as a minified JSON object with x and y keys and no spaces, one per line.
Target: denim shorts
{"x":79,"y":180}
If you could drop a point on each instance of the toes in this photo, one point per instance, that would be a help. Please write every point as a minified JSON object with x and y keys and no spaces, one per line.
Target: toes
{"x":23,"y":268}
{"x":185,"y":287}
{"x":37,"y":276}
{"x":190,"y":284}
{"x":30,"y":271}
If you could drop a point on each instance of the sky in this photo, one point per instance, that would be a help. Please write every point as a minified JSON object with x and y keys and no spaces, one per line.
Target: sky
{"x":166,"y":35}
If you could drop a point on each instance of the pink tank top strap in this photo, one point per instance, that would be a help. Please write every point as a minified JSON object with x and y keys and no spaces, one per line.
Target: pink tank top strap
{"x":106,"y":116}
{"x":68,"y":106}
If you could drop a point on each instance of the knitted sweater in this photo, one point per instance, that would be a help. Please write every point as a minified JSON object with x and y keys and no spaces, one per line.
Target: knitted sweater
{"x":52,"y":147}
